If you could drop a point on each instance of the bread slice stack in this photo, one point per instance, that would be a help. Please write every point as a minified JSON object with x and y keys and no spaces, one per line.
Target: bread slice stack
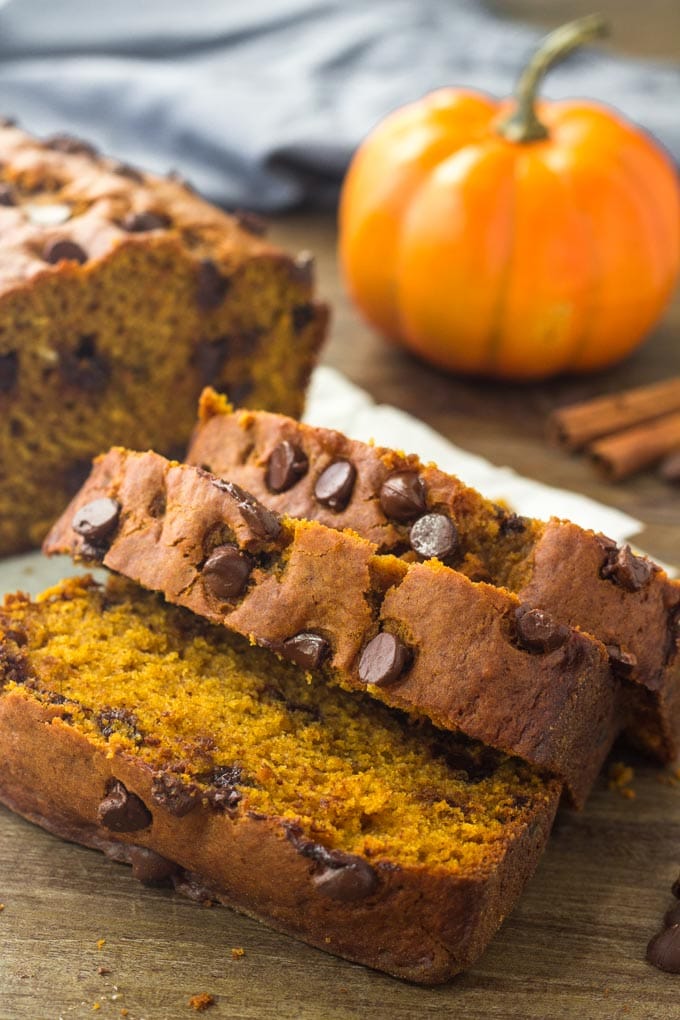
{"x":337,"y":689}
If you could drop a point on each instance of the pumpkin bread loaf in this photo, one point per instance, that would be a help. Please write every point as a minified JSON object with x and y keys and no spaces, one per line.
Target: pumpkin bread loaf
{"x":121,"y":295}
{"x":138,"y":729}
{"x":415,"y":510}
{"x":420,"y":637}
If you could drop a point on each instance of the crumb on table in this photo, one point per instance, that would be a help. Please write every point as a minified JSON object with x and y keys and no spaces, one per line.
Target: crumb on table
{"x":621,"y":777}
{"x":201,"y":1001}
{"x":237,"y":953}
{"x":100,"y":944}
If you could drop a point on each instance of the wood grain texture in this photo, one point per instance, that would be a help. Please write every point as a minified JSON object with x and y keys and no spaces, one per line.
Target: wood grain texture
{"x":575,"y":946}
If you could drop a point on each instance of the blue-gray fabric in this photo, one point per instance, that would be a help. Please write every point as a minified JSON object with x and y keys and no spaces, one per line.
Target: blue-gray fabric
{"x":261,"y":103}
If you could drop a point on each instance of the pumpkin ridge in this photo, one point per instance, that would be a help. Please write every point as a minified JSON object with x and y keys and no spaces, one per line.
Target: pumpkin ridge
{"x":495,"y":342}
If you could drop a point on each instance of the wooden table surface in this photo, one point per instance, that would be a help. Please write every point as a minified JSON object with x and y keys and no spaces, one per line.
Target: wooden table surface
{"x":575,"y":945}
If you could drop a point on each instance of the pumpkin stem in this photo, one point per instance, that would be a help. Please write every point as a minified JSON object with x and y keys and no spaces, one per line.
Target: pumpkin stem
{"x":523,"y":125}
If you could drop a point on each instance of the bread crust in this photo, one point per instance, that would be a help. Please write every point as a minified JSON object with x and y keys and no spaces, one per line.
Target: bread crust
{"x":557,"y":708}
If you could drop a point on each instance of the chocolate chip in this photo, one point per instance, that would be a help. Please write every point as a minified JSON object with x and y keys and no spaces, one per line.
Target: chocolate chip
{"x":251,"y":222}
{"x":9,"y":371}
{"x":118,"y":720}
{"x":84,"y":367}
{"x":174,"y":794}
{"x":209,"y":358}
{"x":226,"y":572}
{"x":121,"y":811}
{"x":672,"y":915}
{"x":302,"y":315}
{"x":287,"y":464}
{"x":96,"y":521}
{"x":149,"y":867}
{"x":347,"y":882}
{"x":624,"y":568}
{"x":622,"y":662}
{"x":69,"y":144}
{"x":302,"y":268}
{"x":383,"y":660}
{"x":63,"y":250}
{"x":305,"y":649}
{"x":125,"y":170}
{"x":434,"y":535}
{"x":335,"y":485}
{"x":211,"y":287}
{"x":512,"y":524}
{"x":140,"y":222}
{"x":538,"y":632}
{"x":403,"y":496}
{"x":664,"y":950}
{"x":7,"y":196}
{"x":223,"y":794}
{"x":262,"y":522}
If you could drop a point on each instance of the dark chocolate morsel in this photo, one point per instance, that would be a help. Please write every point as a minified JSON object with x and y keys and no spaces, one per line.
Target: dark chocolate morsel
{"x":672,"y":915}
{"x":664,"y":950}
{"x":383,"y":660}
{"x":625,"y":568}
{"x":140,"y":222}
{"x":9,"y":371}
{"x":335,"y":485}
{"x":512,"y":524}
{"x":149,"y":867}
{"x":538,"y":632}
{"x":354,"y":880}
{"x":302,"y":268}
{"x":209,"y":357}
{"x":251,"y":222}
{"x":305,"y":649}
{"x":212,"y":286}
{"x":71,"y":145}
{"x":7,"y":196}
{"x":226,"y":572}
{"x":622,"y":662}
{"x":96,"y":521}
{"x":264,"y":523}
{"x":302,"y":315}
{"x":434,"y":535}
{"x":121,"y":811}
{"x":63,"y":250}
{"x":402,"y":496}
{"x":125,"y":170}
{"x":174,"y":794}
{"x":287,"y":464}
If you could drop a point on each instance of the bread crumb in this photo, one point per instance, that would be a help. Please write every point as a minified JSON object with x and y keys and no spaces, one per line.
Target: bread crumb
{"x":237,"y":953}
{"x":100,"y":944}
{"x":2,"y":906}
{"x":96,"y":1005}
{"x":103,"y":970}
{"x":124,"y":1011}
{"x":620,"y":778}
{"x":201,"y":1001}
{"x":328,"y":940}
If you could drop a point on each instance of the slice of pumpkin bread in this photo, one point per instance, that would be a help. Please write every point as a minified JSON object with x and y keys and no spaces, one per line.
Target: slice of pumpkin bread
{"x":140,"y":730}
{"x":420,"y":637}
{"x":415,"y":510}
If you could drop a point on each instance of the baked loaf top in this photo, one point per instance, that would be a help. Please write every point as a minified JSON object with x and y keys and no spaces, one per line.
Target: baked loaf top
{"x":62,"y":190}
{"x":416,"y":510}
{"x":135,"y":727}
{"x":419,"y":637}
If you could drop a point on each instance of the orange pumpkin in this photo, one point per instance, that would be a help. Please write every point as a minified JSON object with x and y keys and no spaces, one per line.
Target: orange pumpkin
{"x":515,"y":239}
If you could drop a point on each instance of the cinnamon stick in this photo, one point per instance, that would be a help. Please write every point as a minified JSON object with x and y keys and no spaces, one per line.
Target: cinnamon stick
{"x":579,"y":424}
{"x":630,"y":450}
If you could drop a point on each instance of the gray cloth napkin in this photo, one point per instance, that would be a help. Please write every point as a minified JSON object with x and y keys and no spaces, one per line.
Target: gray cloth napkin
{"x":261,"y":103}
